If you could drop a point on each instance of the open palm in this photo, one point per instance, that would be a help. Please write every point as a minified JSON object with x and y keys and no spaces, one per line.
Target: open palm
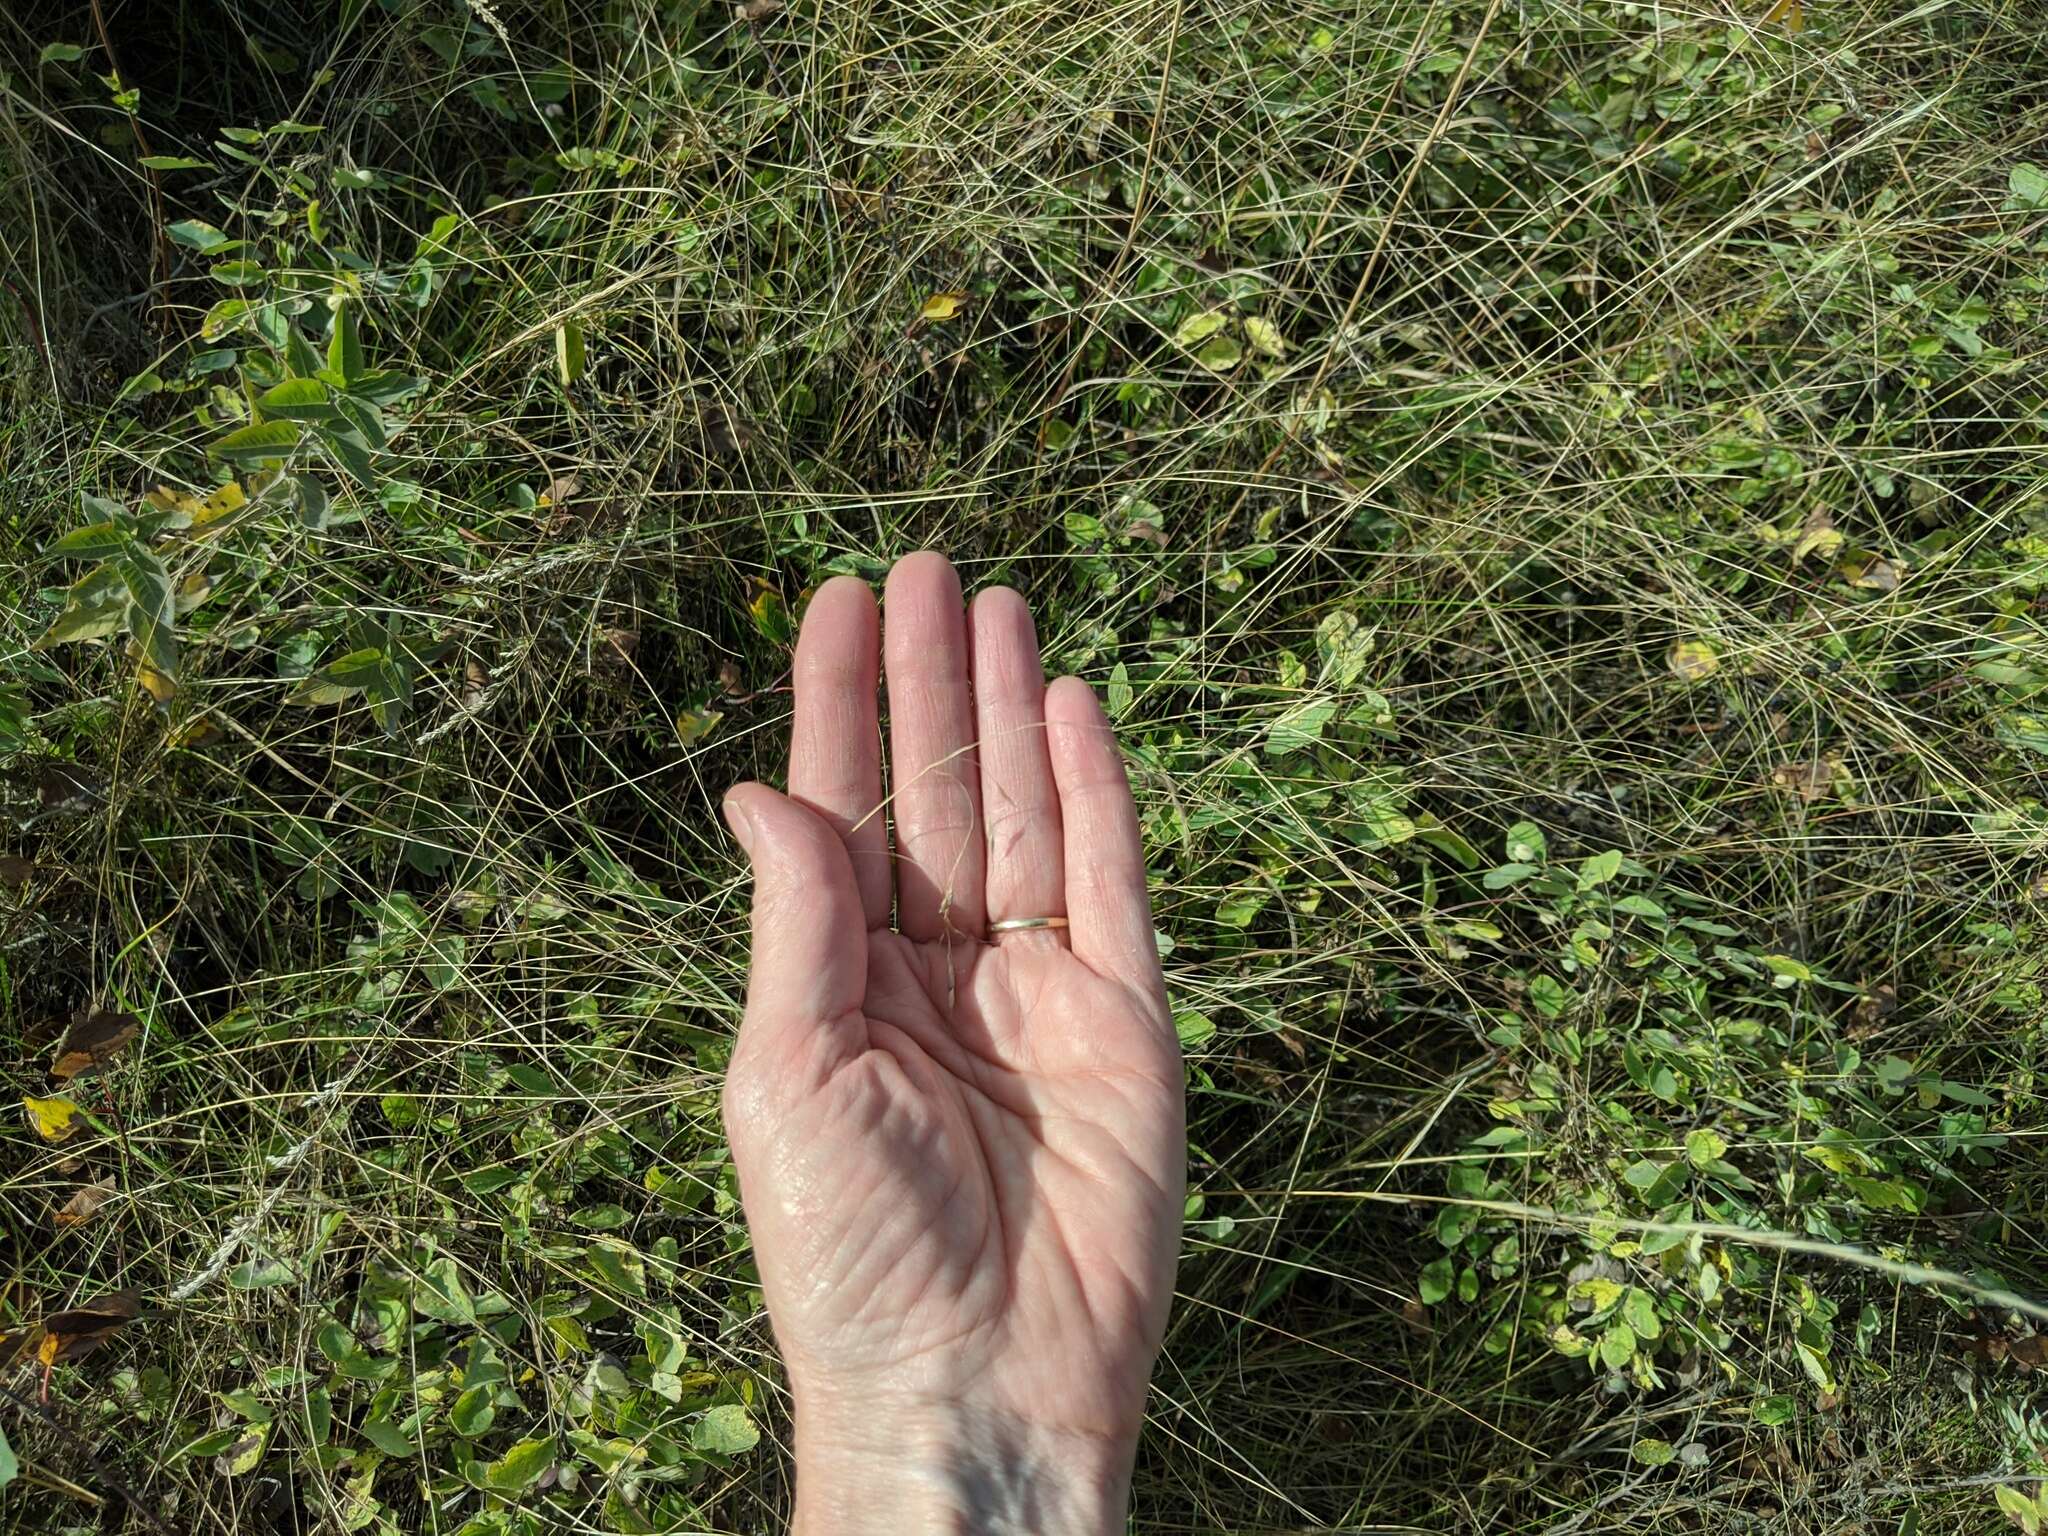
{"x":960,"y":1152}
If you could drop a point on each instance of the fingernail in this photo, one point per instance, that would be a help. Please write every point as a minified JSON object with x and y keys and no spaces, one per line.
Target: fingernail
{"x":742,"y":825}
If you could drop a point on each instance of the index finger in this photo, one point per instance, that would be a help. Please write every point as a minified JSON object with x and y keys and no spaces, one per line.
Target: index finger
{"x":835,"y":741}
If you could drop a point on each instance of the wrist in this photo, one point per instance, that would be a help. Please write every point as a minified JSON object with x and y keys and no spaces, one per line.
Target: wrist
{"x":952,"y":1469}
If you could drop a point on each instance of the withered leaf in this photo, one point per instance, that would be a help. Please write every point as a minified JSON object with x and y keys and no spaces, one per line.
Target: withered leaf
{"x":78,"y":1331}
{"x":15,"y":871}
{"x":96,"y":1037}
{"x":84,"y":1203}
{"x":1810,"y":780}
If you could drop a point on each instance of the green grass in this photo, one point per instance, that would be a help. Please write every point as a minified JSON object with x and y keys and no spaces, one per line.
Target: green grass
{"x":1554,"y":495}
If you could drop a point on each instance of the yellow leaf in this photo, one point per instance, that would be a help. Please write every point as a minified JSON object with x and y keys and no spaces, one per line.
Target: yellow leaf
{"x":941,"y":306}
{"x":1817,"y":541}
{"x":1878,"y":575}
{"x":1264,"y":336}
{"x":224,"y":502}
{"x":160,"y":686}
{"x":52,"y":1118}
{"x":1693,"y":661}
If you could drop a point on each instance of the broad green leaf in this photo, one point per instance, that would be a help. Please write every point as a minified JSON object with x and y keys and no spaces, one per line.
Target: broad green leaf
{"x":520,"y":1467}
{"x":224,"y":319}
{"x":152,"y":610}
{"x":354,"y":455}
{"x":1436,"y":1281}
{"x":1264,"y":336}
{"x":473,"y":1413}
{"x":1599,"y":869}
{"x":299,"y":399}
{"x":237,"y":274}
{"x":725,"y":1429}
{"x":389,"y":1438}
{"x":93,"y":608}
{"x":1344,"y":645}
{"x":93,"y":542}
{"x":1219,"y":354}
{"x":197,"y":235}
{"x":1617,"y":1346}
{"x":2028,"y":184}
{"x":1652,"y":1452}
{"x":260,"y":1274}
{"x":258,"y":441}
{"x":1301,"y":727}
{"x":172,"y":163}
{"x":10,"y":1465}
{"x":60,"y":53}
{"x":344,"y":346}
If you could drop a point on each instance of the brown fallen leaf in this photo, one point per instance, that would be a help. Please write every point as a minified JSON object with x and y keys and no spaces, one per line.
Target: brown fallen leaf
{"x":1810,"y":780}
{"x":624,"y":641}
{"x":96,"y":1037}
{"x":84,"y":1204}
{"x":755,"y":10}
{"x":1877,"y":574}
{"x":77,"y":1331}
{"x":15,"y":871}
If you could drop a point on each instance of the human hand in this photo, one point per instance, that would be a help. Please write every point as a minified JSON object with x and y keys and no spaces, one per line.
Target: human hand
{"x":961,"y":1154}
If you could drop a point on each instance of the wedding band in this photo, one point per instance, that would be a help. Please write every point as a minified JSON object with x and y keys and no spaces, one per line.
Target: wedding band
{"x":1026,"y":924}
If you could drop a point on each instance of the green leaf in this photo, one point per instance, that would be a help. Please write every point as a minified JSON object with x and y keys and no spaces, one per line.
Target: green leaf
{"x":726,"y":1430}
{"x":61,"y":53}
{"x":94,"y":541}
{"x":354,"y":455}
{"x":1773,"y":1411}
{"x":1526,"y":844}
{"x":1436,"y":1281}
{"x":258,"y":441}
{"x":237,"y":274}
{"x":10,"y":1465}
{"x":1652,"y":1452}
{"x":224,"y":319}
{"x":389,"y":1438}
{"x":473,"y":1412}
{"x":152,"y":609}
{"x":2028,"y":185}
{"x":260,"y":1274}
{"x":1617,"y":1346}
{"x":344,"y":346}
{"x":197,"y":235}
{"x":298,"y":399}
{"x":172,"y":163}
{"x":520,"y":1467}
{"x":1344,"y":645}
{"x":2022,"y":1510}
{"x":1301,"y":727}
{"x":1703,"y":1148}
{"x":1599,"y":869}
{"x":619,"y":1264}
{"x":1219,"y":354}
{"x":93,"y":608}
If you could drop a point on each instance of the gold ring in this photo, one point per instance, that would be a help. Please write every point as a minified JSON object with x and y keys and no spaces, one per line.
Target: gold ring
{"x":1026,"y":924}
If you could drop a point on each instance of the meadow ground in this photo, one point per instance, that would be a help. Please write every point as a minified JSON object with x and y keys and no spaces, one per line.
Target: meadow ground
{"x":1554,"y":492}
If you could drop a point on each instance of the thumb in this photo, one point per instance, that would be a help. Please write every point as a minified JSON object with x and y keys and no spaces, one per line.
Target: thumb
{"x":810,"y":960}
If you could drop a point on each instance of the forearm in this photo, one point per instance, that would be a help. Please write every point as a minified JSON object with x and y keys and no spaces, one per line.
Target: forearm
{"x":952,"y":1471}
